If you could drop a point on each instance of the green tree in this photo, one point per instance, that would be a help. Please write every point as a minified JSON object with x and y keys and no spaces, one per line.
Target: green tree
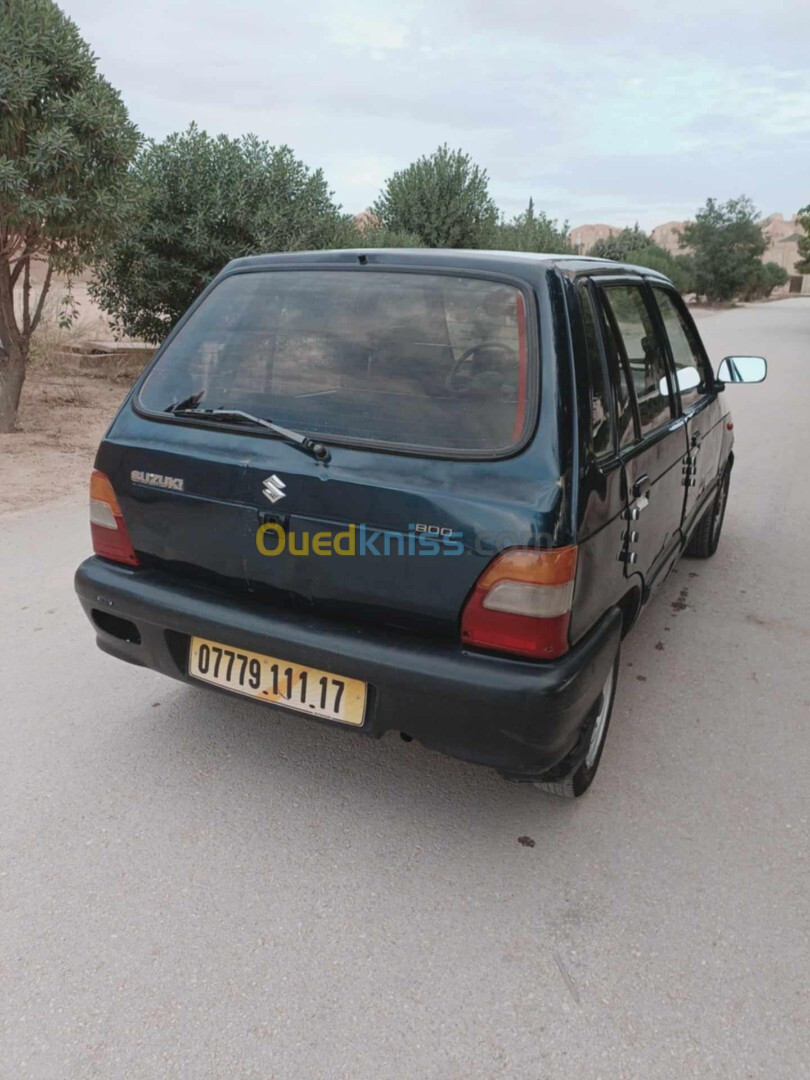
{"x":65,"y":144}
{"x":803,"y":265}
{"x":443,"y":199}
{"x":533,"y":231}
{"x":636,"y":247}
{"x":726,"y":243}
{"x":203,"y":201}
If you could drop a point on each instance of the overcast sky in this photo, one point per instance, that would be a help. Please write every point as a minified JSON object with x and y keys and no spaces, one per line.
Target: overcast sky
{"x":611,"y":111}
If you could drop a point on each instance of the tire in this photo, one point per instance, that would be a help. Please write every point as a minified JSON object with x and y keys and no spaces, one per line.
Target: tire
{"x":574,"y":775}
{"x":704,"y":540}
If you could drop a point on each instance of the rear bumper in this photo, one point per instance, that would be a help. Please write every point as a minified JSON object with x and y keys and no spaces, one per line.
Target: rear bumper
{"x":516,"y":716}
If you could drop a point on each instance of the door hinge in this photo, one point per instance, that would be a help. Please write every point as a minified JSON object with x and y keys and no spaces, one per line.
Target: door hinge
{"x":629,"y":536}
{"x":633,"y":513}
{"x":689,"y":470}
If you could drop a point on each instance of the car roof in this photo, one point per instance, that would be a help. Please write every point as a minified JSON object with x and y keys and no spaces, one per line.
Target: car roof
{"x":521,"y":263}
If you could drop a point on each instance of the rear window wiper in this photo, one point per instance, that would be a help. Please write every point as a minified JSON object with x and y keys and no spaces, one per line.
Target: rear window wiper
{"x":238,"y":416}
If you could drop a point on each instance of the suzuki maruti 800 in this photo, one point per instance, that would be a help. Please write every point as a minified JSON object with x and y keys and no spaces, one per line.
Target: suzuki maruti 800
{"x":419,"y":491}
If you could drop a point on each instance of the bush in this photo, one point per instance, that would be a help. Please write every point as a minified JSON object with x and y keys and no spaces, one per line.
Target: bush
{"x":767,"y":277}
{"x":203,"y":201}
{"x":635,"y":246}
{"x":378,"y":236}
{"x":533,"y":231}
{"x":622,"y":246}
{"x":803,"y":265}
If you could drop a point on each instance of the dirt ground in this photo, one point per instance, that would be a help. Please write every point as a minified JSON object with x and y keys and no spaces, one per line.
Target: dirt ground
{"x":63,"y":415}
{"x":65,"y":409}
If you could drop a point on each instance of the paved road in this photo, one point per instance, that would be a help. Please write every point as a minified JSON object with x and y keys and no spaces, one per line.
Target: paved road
{"x":193,"y":887}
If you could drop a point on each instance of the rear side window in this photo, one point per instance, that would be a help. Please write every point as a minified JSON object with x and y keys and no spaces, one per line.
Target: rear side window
{"x":625,"y":423}
{"x":418,"y":361}
{"x":683,"y":343}
{"x":601,"y":426}
{"x":642,"y":353}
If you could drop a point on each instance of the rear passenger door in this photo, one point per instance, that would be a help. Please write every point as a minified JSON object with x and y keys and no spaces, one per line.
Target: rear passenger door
{"x":699,"y":403}
{"x":652,"y":435}
{"x":600,"y":581}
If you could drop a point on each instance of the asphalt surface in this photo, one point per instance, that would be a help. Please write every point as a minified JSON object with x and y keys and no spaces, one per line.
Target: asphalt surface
{"x":197,"y":887}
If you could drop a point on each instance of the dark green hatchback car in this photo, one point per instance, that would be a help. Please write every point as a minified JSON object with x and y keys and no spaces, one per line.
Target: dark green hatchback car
{"x":415,"y":491}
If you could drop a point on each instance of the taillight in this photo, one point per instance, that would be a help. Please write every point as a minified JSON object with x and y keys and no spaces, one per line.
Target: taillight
{"x":107,"y":526}
{"x":522,"y":603}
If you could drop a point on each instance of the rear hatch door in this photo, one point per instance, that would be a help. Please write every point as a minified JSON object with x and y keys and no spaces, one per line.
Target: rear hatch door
{"x":424,"y":387}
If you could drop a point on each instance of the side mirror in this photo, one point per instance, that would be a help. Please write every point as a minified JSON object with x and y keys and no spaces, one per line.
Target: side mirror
{"x":737,"y":369}
{"x":687,"y":378}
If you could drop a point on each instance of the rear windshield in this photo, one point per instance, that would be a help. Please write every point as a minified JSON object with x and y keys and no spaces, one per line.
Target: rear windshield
{"x":417,"y":361}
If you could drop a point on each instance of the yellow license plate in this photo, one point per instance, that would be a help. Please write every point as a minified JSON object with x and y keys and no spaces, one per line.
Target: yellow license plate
{"x":305,"y":689}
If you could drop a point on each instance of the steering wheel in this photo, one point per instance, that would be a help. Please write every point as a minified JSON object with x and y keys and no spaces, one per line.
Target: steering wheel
{"x":459,"y":383}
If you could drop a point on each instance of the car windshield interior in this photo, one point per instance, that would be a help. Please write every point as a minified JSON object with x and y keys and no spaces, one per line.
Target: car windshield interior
{"x":414,"y":360}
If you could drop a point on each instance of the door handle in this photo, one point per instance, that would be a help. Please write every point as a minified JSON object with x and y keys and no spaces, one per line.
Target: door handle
{"x":642,"y":482}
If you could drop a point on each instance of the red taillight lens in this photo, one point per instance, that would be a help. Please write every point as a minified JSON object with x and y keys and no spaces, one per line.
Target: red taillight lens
{"x":107,"y":526}
{"x":522,"y":603}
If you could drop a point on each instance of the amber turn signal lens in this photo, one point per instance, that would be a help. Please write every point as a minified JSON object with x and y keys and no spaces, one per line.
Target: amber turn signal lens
{"x":554,"y":567}
{"x":521,"y":604}
{"x":102,"y":490}
{"x":107,"y":526}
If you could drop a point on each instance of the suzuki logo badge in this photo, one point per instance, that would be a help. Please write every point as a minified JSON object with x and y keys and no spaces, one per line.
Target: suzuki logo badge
{"x":273,"y":488}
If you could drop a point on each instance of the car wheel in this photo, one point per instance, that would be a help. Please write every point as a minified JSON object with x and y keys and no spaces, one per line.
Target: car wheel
{"x":704,"y":540}
{"x":574,"y":775}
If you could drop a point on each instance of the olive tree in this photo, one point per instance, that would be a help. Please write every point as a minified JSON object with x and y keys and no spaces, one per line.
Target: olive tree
{"x":726,"y":244}
{"x":203,"y":201}
{"x":442,"y":199}
{"x":65,"y":144}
